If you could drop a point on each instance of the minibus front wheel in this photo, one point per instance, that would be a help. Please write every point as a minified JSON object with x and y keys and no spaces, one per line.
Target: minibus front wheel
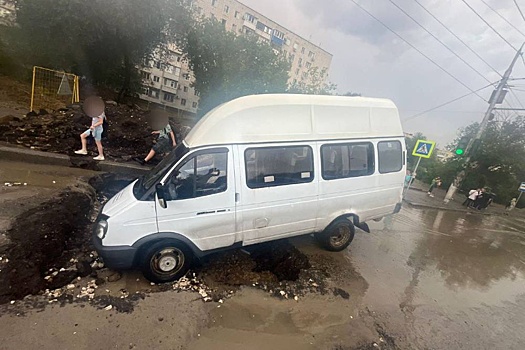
{"x":166,"y":261}
{"x":337,"y":236}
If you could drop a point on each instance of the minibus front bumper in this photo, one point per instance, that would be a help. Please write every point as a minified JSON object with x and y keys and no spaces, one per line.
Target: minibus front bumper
{"x":116,"y":257}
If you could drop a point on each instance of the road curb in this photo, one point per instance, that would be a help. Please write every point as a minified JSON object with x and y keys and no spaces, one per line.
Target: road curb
{"x":19,"y":154}
{"x":426,"y":206}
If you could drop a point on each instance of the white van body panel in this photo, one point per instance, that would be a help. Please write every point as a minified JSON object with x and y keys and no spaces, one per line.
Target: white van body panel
{"x":288,"y":118}
{"x":270,"y":213}
{"x":209,"y":221}
{"x":129,"y":219}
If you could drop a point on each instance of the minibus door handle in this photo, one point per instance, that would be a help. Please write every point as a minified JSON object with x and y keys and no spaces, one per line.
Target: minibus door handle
{"x":237,"y":197}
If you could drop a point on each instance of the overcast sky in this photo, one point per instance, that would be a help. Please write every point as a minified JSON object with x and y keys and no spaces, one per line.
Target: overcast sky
{"x":371,"y":60}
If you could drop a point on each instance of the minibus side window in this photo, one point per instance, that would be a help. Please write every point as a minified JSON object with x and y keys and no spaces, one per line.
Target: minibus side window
{"x":277,"y":166}
{"x":390,"y":156}
{"x":201,"y":175}
{"x":347,"y":160}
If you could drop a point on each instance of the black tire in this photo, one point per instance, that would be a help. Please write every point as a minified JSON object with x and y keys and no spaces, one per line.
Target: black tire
{"x":166,"y":261}
{"x":337,"y":236}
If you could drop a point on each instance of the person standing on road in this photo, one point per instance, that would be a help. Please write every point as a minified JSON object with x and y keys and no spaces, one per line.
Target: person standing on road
{"x":435,"y":183}
{"x":472,"y":195}
{"x":480,"y":199}
{"x":511,"y":204}
{"x":94,"y":107}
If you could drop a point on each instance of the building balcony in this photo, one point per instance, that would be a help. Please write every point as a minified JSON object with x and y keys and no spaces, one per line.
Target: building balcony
{"x":263,"y":35}
{"x":251,"y":25}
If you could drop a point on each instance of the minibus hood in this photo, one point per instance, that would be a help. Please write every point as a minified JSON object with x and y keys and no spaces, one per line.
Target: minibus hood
{"x":120,"y":201}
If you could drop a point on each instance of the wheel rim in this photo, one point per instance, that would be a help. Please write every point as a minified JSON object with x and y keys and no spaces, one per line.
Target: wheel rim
{"x":168,"y":261}
{"x":340,"y":236}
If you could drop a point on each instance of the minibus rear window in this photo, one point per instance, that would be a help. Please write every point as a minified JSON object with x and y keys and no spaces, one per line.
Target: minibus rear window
{"x":390,"y":156}
{"x":277,"y":166}
{"x":341,"y":161}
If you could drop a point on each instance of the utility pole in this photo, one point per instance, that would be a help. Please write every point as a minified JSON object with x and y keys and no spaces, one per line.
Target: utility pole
{"x":495,"y":99}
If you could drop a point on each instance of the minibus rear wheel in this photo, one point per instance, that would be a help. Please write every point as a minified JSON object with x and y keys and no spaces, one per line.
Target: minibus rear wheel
{"x":166,"y":261}
{"x":337,"y":236}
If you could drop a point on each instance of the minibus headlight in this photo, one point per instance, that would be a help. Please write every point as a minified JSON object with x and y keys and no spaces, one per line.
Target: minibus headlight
{"x":101,"y":229}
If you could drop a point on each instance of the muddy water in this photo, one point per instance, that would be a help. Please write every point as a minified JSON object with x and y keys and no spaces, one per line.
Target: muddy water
{"x":424,"y":279}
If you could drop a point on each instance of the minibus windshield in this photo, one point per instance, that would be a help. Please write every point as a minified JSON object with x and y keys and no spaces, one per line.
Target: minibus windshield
{"x":155,"y":174}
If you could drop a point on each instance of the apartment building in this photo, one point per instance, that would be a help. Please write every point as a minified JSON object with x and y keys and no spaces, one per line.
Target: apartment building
{"x":161,"y":76}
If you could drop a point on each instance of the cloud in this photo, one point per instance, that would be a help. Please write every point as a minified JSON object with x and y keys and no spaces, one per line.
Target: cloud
{"x":371,"y":60}
{"x":347,"y":18}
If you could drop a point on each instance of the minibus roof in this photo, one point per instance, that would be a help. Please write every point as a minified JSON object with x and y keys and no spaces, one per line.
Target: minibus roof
{"x":289,"y":117}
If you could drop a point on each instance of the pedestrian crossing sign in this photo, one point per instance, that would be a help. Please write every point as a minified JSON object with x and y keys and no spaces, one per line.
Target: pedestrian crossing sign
{"x":423,"y":148}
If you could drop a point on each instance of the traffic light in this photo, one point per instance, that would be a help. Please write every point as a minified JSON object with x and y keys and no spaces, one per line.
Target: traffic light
{"x":462,"y":145}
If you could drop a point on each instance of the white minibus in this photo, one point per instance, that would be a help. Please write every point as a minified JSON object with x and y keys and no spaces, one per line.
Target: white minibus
{"x":257,"y":169}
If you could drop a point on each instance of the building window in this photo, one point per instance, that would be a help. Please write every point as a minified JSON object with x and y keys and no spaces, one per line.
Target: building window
{"x":277,"y":166}
{"x":296,"y":71}
{"x":201,"y":175}
{"x":183,"y":102}
{"x":145,"y":75}
{"x":250,"y":18}
{"x":390,"y":155}
{"x":223,"y":21}
{"x":347,"y":160}
{"x":153,"y":93}
{"x":308,"y":64}
{"x":287,"y":41}
{"x":300,"y":62}
{"x":302,"y":50}
{"x":291,"y":57}
{"x":237,"y":14}
{"x":304,"y":75}
{"x":156,"y":78}
{"x":194,"y":104}
{"x":234,"y":27}
{"x":170,"y":83}
{"x":159,"y":65}
{"x":168,"y":97}
{"x":196,"y":93}
{"x":226,"y":8}
{"x":310,"y":54}
{"x":213,"y":3}
{"x":185,"y":89}
{"x":295,"y":46}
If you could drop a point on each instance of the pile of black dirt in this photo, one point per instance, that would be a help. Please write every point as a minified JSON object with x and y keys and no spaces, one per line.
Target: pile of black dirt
{"x":128,"y":133}
{"x":45,"y":237}
{"x":109,"y":184}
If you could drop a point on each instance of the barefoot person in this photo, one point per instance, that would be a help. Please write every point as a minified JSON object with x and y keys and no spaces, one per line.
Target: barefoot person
{"x":94,"y":107}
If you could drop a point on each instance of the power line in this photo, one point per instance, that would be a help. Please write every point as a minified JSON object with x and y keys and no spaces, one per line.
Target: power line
{"x":447,"y":103}
{"x":521,"y":13}
{"x":503,"y":18}
{"x":515,"y":97}
{"x":488,"y":24}
{"x":457,"y":37}
{"x":415,"y":48}
{"x":438,"y":40}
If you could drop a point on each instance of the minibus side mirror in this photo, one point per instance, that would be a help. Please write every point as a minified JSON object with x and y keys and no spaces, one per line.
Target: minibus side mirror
{"x":161,"y":195}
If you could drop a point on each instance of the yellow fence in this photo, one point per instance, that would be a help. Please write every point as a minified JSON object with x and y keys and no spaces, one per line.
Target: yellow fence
{"x":53,"y":89}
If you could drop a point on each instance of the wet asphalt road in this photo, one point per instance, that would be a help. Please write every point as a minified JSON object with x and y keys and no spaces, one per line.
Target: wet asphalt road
{"x":424,"y":279}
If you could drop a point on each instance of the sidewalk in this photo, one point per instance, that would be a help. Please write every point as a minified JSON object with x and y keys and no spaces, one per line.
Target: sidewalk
{"x":22,"y":154}
{"x":417,"y":197}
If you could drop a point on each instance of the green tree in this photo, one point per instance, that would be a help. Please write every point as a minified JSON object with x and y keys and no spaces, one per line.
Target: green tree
{"x":227,"y":66}
{"x":315,"y":83}
{"x":102,"y":40}
{"x":498,"y":162}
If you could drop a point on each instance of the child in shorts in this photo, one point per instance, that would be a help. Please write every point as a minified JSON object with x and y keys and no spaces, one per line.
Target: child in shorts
{"x":95,"y":130}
